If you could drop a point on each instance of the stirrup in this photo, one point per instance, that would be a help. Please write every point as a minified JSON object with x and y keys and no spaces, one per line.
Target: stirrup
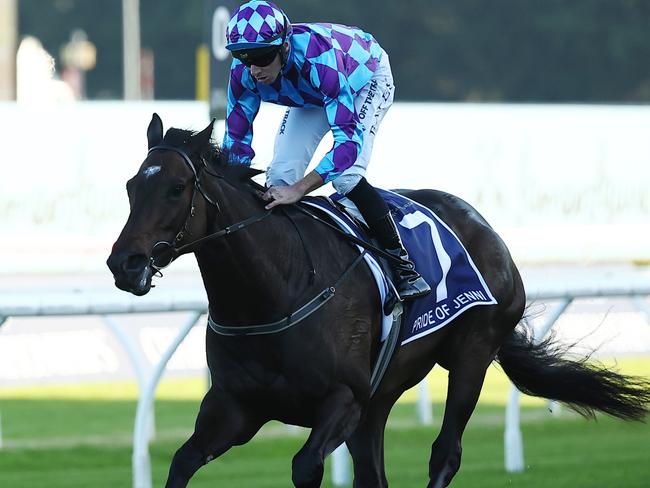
{"x":411,"y":288}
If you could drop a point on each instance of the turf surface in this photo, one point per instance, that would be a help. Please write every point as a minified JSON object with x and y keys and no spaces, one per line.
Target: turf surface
{"x":80,"y":436}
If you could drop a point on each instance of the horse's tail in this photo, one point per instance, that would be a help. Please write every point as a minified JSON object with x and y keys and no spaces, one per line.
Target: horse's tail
{"x":547,"y":370}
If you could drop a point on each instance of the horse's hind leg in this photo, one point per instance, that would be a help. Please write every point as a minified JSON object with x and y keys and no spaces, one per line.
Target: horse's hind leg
{"x":337,"y":418}
{"x":220,"y":424}
{"x":466,"y":375}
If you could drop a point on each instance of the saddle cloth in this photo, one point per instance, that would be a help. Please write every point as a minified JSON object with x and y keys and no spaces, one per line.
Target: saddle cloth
{"x":439,"y":257}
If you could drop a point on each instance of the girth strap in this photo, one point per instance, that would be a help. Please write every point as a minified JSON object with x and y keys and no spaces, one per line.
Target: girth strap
{"x":387,"y":349}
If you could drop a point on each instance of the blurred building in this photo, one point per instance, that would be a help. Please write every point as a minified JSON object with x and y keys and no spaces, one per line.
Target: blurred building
{"x":8,"y":34}
{"x":78,"y":56}
{"x":556,"y":51}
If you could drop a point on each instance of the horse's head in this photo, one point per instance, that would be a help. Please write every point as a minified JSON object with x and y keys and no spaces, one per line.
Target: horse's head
{"x":166,"y":206}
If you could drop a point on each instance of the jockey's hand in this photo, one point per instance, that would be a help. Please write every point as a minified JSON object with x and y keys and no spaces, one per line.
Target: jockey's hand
{"x":282,"y":195}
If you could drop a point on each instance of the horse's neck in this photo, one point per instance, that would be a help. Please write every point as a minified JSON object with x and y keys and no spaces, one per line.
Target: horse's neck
{"x":245,"y":273}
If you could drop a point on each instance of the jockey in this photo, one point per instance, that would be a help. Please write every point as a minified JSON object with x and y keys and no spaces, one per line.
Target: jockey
{"x":331,"y":77}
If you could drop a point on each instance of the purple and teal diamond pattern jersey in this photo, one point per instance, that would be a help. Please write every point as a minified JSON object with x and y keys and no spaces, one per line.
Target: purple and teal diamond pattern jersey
{"x":327,"y":65}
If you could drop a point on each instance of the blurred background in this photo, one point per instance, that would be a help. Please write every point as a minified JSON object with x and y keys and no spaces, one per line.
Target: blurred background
{"x":534,"y":112}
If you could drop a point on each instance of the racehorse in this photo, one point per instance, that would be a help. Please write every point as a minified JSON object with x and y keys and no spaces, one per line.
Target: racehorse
{"x":259,"y":267}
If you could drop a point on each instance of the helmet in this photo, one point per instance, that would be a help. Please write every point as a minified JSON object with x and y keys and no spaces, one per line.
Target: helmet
{"x":257,"y":24}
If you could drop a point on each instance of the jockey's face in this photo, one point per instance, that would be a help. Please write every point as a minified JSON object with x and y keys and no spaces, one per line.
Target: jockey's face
{"x":267,"y":74}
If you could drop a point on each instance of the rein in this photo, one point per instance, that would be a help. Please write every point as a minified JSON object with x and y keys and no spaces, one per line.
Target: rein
{"x":172,"y":247}
{"x":360,"y":242}
{"x":293,"y":318}
{"x":231,"y":229}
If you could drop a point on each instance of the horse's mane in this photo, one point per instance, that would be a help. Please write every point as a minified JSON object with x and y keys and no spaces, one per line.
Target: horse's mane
{"x":218,"y":157}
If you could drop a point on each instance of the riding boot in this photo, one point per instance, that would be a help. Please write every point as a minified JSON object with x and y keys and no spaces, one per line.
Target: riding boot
{"x":408,"y":282}
{"x":375,"y":211}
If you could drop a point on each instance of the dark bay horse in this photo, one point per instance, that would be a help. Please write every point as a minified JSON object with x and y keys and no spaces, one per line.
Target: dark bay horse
{"x":257,"y":269}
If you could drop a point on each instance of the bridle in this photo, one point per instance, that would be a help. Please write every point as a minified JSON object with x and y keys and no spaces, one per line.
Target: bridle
{"x":172,"y":249}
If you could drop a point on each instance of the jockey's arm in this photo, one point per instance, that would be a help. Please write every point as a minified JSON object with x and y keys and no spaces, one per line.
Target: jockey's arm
{"x":242,"y":108}
{"x":344,"y":123}
{"x":347,"y":133}
{"x":282,"y":195}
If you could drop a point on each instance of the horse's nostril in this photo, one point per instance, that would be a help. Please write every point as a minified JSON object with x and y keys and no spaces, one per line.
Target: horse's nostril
{"x":135,"y":262}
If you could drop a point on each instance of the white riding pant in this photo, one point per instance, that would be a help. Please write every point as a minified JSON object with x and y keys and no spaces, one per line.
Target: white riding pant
{"x":302,"y":130}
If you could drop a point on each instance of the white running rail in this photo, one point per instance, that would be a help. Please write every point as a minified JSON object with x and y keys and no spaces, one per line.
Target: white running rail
{"x":110,"y":304}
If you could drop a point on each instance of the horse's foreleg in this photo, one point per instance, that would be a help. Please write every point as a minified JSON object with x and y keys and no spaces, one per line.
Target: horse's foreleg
{"x":220,"y":424}
{"x":465,"y":383}
{"x":366,"y":445}
{"x":336,"y":418}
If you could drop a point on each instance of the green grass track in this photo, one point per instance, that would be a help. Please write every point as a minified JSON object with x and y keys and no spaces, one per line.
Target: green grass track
{"x":80,"y":436}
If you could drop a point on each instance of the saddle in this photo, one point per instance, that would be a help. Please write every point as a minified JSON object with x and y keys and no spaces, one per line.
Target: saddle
{"x":439,"y":255}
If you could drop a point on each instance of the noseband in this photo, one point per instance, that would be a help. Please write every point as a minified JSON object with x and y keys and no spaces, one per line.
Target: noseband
{"x":172,"y":248}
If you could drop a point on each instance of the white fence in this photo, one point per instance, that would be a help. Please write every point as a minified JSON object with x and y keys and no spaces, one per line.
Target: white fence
{"x":110,"y":304}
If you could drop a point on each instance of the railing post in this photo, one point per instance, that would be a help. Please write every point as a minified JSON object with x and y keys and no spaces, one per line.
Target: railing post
{"x":141,"y":460}
{"x":425,"y":416}
{"x":135,"y":358}
{"x":642,"y":305}
{"x":513,"y":445}
{"x":512,"y":438}
{"x":341,"y":466}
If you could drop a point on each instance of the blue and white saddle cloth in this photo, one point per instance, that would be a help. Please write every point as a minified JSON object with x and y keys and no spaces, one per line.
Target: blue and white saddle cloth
{"x":439,"y":257}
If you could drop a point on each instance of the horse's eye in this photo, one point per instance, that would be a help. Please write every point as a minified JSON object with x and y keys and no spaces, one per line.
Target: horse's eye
{"x":178,"y":190}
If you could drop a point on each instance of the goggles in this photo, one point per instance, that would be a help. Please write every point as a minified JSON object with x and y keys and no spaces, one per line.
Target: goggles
{"x":258,"y":57}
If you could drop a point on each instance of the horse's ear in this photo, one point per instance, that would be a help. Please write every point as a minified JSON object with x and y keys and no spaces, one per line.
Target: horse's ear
{"x":202,"y":139}
{"x":155,"y":131}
